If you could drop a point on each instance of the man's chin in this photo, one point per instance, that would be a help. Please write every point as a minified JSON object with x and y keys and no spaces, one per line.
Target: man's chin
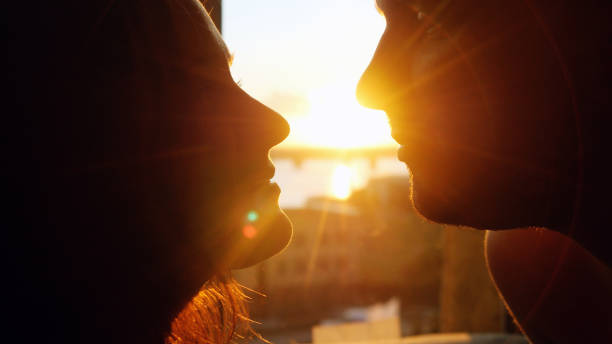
{"x":463,"y":211}
{"x":432,"y":210}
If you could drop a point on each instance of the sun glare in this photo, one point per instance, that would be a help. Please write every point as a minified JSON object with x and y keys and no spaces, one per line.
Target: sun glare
{"x":341,"y":182}
{"x":337,"y":120}
{"x":308,"y":70}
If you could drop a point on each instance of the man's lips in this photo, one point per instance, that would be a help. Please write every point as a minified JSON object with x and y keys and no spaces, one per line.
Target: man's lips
{"x":402,"y":153}
{"x":407,"y":136}
{"x":403,"y":134}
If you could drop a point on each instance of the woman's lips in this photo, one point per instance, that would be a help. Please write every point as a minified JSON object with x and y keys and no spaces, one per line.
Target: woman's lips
{"x":268,"y":188}
{"x":260,"y":177}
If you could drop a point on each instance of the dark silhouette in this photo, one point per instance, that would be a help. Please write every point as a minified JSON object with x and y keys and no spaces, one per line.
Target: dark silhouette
{"x":132,"y":160}
{"x":502,"y":111}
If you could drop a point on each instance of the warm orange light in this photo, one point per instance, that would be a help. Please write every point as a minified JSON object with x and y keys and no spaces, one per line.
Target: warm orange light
{"x":249,"y":231}
{"x":336,"y":120}
{"x":341,"y":182}
{"x":306,"y":75}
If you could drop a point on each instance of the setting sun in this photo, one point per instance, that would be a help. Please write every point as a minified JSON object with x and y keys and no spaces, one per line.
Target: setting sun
{"x":341,"y":182}
{"x":306,"y":65}
{"x":303,"y":59}
{"x":336,"y":120}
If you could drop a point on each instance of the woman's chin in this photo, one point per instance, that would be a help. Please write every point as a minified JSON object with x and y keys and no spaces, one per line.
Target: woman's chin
{"x":264,"y":229}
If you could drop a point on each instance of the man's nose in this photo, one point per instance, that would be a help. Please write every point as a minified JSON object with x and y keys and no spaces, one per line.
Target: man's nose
{"x":373,"y":87}
{"x":369,"y":89}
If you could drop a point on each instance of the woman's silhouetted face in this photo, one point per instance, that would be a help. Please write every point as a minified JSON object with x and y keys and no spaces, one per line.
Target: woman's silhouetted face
{"x":213,"y":141}
{"x":146,"y":166}
{"x":190,"y":152}
{"x":476,"y":96}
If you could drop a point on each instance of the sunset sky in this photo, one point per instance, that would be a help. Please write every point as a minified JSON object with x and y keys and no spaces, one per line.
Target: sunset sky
{"x":303,"y":59}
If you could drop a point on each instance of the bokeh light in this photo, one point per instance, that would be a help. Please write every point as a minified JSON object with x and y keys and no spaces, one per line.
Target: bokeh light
{"x":252,"y":216}
{"x":249,"y":231}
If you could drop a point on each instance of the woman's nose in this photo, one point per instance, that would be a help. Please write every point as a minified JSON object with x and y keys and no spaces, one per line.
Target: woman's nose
{"x":266,"y":125}
{"x":279,"y":127}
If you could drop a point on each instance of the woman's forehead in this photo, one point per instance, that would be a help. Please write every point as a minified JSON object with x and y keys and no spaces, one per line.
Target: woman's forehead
{"x":197,"y":36}
{"x":216,"y":35}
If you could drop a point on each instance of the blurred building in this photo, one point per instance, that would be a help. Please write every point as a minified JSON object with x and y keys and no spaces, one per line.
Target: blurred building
{"x":369,"y":249}
{"x":358,"y":252}
{"x":469,"y":301}
{"x":319,"y":269}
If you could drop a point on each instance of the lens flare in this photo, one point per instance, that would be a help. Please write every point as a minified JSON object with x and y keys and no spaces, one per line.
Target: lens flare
{"x":252,"y":216}
{"x":337,"y":120}
{"x":249,"y":231}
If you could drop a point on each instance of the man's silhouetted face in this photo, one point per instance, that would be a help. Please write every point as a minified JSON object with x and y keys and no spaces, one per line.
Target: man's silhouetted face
{"x":476,"y":96}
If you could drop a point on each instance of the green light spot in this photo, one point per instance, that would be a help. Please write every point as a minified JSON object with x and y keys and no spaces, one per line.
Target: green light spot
{"x":252,"y":216}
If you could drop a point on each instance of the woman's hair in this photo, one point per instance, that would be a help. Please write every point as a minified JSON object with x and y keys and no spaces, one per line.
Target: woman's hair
{"x":217,"y":314}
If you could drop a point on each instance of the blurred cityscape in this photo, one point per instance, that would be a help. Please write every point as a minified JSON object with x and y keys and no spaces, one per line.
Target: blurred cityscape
{"x":370,"y":268}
